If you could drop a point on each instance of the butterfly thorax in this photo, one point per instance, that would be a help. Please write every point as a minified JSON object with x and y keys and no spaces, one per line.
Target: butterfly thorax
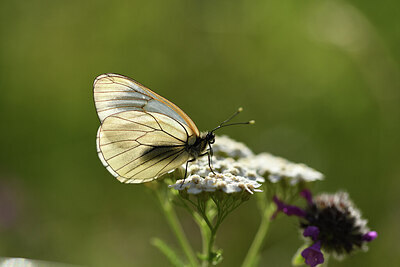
{"x":197,"y":145}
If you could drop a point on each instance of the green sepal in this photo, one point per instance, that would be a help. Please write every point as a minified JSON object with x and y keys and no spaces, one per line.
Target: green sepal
{"x":297,"y":259}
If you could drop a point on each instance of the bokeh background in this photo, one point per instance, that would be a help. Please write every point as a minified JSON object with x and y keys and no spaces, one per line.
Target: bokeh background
{"x":321,"y":79}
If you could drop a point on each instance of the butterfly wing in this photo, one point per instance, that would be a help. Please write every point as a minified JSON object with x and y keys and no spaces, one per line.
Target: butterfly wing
{"x":139,"y":146}
{"x":114,"y":93}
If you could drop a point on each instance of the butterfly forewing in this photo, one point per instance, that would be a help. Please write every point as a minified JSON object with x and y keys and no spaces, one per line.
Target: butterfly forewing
{"x":114,"y":93}
{"x":139,"y":146}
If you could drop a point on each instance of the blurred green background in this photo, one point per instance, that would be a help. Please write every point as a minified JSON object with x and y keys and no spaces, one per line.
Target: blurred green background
{"x":321,"y":79}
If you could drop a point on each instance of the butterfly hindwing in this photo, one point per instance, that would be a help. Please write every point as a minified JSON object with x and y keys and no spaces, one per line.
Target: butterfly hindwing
{"x":139,"y":146}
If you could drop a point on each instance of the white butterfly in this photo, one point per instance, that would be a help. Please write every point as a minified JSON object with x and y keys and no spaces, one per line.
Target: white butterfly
{"x":143,"y":135}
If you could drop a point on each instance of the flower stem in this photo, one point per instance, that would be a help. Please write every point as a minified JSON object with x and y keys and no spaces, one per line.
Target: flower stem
{"x":202,"y":224}
{"x":204,"y":234}
{"x":208,"y":236}
{"x":253,"y":253}
{"x":176,"y":227}
{"x":210,"y":247}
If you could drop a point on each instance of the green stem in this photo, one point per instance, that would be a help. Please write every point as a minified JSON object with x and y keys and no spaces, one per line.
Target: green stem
{"x":204,"y":233}
{"x":207,"y":230}
{"x":213,"y":232}
{"x":208,"y":239}
{"x":210,"y":247}
{"x":176,"y":227}
{"x":201,"y":224}
{"x":254,"y":251}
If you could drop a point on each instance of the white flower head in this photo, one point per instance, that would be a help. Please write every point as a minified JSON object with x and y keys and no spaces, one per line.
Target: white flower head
{"x":230,"y":177}
{"x":276,"y":169}
{"x":227,"y":147}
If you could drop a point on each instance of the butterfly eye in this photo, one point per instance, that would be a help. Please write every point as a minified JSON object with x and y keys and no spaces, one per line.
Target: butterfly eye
{"x":211,"y":138}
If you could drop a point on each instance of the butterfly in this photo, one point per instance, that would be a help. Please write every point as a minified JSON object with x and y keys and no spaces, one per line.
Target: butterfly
{"x":143,"y":135}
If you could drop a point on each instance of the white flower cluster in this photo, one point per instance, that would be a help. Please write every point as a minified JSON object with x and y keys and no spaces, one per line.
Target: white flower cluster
{"x":227,"y":147}
{"x":230,"y":177}
{"x":237,"y":169}
{"x":277,"y":168}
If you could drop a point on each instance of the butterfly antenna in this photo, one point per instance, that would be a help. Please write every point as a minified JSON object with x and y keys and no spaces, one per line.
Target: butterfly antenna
{"x":230,"y":118}
{"x":236,"y":123}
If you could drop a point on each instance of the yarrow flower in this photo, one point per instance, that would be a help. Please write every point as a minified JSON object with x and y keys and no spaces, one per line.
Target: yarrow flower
{"x":276,"y":169}
{"x":332,"y":222}
{"x":230,"y":177}
{"x":267,"y":165}
{"x":225,"y":146}
{"x":215,"y":193}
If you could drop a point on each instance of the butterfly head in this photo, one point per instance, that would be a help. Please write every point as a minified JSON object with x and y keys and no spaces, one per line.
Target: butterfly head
{"x":210,"y":137}
{"x":198,"y":145}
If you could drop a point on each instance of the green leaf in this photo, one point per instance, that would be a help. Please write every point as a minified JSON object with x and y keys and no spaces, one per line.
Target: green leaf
{"x":168,"y":252}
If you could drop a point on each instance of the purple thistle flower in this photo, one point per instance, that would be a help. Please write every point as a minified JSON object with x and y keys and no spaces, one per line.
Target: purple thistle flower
{"x":287,"y":209}
{"x":371,"y":235}
{"x":311,"y":231}
{"x":331,"y":221}
{"x":341,"y":228}
{"x":313,"y":255}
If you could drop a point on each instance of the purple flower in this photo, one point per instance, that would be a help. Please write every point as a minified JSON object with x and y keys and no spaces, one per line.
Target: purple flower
{"x":341,"y":227}
{"x":311,"y":231}
{"x":306,"y":194}
{"x":313,"y":255}
{"x":287,"y":209}
{"x":331,"y":221}
{"x":368,"y":237}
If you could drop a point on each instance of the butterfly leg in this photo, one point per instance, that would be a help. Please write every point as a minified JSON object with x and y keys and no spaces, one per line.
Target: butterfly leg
{"x":184,"y":177}
{"x":210,"y":154}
